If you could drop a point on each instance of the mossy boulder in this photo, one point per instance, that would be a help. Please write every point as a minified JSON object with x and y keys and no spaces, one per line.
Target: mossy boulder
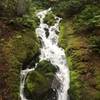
{"x":39,"y":82}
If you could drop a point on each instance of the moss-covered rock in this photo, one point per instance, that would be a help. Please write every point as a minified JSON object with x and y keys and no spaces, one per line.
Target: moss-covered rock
{"x":39,"y":82}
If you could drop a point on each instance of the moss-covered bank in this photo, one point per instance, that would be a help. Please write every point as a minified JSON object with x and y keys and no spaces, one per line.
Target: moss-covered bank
{"x":82,"y":52}
{"x":16,"y":47}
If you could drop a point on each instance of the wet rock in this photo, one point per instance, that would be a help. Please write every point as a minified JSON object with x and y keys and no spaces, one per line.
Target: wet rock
{"x":30,"y":62}
{"x":56,"y":83}
{"x":52,"y":94}
{"x":47,"y":32}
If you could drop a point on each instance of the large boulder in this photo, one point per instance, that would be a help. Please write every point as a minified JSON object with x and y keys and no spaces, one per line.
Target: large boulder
{"x":38,"y":84}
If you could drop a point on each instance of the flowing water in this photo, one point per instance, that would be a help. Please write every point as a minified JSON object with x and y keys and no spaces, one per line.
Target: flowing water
{"x":50,"y":51}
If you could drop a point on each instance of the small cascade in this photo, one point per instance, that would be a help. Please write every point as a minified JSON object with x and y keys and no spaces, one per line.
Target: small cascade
{"x":50,"y":51}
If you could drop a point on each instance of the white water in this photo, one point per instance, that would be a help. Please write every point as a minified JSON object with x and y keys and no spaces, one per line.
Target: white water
{"x":52,"y":52}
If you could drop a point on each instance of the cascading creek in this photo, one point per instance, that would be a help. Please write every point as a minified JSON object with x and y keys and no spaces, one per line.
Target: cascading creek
{"x":50,"y":51}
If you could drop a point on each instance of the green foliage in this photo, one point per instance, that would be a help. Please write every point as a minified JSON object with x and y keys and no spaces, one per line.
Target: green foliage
{"x":75,"y":86}
{"x":68,"y":8}
{"x":26,"y":44}
{"x":46,"y":67}
{"x":29,"y":21}
{"x":50,"y":18}
{"x":88,"y":19}
{"x":95,"y":44}
{"x":39,"y":82}
{"x":97,"y":79}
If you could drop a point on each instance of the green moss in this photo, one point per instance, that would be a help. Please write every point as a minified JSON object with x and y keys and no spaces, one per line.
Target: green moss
{"x":63,"y":36}
{"x":50,"y":19}
{"x":97,"y":79}
{"x":39,"y":82}
{"x":97,"y":96}
{"x":46,"y":67}
{"x":24,"y":44}
{"x":34,"y":82}
{"x":88,"y":19}
{"x":75,"y":86}
{"x":95,"y":44}
{"x":83,"y":69}
{"x":66,"y":29}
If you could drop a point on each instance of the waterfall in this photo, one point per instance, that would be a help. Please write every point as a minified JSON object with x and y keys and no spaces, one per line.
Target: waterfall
{"x":50,"y":51}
